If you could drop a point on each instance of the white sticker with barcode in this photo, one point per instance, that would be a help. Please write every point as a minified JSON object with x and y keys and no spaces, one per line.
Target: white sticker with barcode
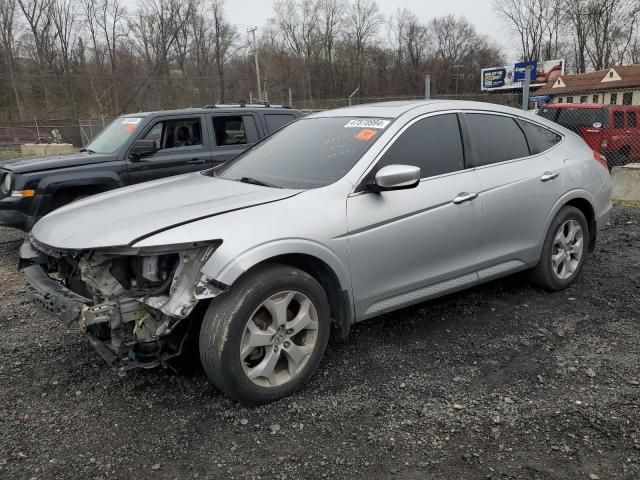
{"x":367,"y":123}
{"x":130,"y":121}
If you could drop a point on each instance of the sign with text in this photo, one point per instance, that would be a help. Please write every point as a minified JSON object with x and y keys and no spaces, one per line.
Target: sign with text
{"x":511,"y":77}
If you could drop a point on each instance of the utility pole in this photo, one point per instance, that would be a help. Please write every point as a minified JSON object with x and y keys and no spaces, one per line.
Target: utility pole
{"x":255,"y":56}
{"x":457,"y":67}
{"x":525,"y":88}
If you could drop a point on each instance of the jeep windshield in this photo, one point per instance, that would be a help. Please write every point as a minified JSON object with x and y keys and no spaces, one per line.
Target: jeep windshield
{"x":309,"y":153}
{"x":115,"y":135}
{"x":575,"y":118}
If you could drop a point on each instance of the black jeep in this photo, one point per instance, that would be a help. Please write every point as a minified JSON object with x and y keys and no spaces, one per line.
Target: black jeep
{"x":134,"y":148}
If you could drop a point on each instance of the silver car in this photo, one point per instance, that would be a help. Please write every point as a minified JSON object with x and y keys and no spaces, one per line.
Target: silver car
{"x":339,"y":217}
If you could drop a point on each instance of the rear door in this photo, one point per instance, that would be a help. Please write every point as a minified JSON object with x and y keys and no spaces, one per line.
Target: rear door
{"x":521,"y":178}
{"x":182,"y":147}
{"x":633,"y":133}
{"x":233,"y":133}
{"x":618,"y":131}
{"x":408,"y":245}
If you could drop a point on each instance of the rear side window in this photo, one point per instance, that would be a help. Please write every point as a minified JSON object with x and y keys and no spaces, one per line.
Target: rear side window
{"x":631,"y":120}
{"x":234,"y":130}
{"x":496,"y":138}
{"x":276,"y":122}
{"x":618,"y":119}
{"x":434,"y":144}
{"x":540,"y":138}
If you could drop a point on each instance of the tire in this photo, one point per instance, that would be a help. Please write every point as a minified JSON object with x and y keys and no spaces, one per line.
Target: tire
{"x":556,"y":271}
{"x":239,"y":318}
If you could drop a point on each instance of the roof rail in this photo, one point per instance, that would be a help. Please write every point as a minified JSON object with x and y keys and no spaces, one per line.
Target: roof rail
{"x":243,"y":105}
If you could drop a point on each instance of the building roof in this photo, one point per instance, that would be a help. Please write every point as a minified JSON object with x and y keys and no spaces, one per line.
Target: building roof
{"x":626,"y":76}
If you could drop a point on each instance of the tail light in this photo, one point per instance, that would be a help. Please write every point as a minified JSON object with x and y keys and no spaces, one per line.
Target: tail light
{"x":601,"y":159}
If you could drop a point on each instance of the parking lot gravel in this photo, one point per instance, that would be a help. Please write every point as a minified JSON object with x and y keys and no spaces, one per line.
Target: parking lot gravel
{"x":503,"y":381}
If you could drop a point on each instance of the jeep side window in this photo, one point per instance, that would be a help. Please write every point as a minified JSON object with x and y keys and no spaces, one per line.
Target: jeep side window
{"x":618,"y":119}
{"x":176,"y":133}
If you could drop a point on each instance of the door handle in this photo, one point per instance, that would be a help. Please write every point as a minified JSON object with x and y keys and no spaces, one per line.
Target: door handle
{"x":464,"y":197}
{"x":196,"y":161}
{"x":546,"y":176}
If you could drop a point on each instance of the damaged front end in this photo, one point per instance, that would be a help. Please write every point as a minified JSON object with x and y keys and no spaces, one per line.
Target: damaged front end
{"x":134,"y":304}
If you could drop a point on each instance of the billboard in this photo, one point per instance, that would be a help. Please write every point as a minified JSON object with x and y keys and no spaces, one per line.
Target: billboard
{"x":512,"y":77}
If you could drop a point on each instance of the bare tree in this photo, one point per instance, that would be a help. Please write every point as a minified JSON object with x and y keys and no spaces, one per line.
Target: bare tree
{"x":299,"y":25}
{"x":38,"y":14}
{"x":156,"y":29}
{"x":225,"y":37}
{"x":63,"y":17}
{"x":364,"y":21}
{"x":111,"y":21}
{"x":533,"y":22}
{"x":7,"y":36}
{"x":611,"y":29}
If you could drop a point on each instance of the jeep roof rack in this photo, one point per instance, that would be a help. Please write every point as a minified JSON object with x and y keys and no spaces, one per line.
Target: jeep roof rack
{"x":243,"y":104}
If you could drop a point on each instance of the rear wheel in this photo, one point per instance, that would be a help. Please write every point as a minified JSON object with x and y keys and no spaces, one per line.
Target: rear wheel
{"x":265,"y":337}
{"x":564,"y":251}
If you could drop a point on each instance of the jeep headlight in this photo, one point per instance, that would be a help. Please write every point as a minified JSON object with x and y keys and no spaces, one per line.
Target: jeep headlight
{"x":7,"y":183}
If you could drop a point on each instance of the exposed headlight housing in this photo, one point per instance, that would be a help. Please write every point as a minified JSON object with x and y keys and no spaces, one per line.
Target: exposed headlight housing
{"x":7,"y":183}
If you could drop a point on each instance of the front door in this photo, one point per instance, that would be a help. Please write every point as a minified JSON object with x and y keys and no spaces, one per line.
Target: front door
{"x":406,"y":246}
{"x":182,"y":147}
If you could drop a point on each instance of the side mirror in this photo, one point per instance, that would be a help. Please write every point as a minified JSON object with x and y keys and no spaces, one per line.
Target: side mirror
{"x":395,"y":177}
{"x":142,"y":148}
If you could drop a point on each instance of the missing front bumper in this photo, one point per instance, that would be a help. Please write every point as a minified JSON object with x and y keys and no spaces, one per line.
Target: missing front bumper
{"x":52,"y":296}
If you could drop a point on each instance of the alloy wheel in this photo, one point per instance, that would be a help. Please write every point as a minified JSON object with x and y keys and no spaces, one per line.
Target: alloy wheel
{"x":568,"y":248}
{"x":279,"y":338}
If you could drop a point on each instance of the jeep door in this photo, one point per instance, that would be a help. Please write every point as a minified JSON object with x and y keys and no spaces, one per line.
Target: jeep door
{"x":233,"y":133}
{"x":406,"y":246}
{"x":183,"y":145}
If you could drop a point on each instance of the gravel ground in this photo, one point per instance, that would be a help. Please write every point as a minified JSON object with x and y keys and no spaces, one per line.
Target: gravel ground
{"x":502,"y":381}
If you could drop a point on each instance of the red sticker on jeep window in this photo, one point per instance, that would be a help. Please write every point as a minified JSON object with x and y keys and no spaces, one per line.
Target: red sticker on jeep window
{"x":365,"y":134}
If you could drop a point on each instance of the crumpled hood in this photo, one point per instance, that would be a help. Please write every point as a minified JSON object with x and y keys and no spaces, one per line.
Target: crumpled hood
{"x":122,"y":216}
{"x":50,"y":162}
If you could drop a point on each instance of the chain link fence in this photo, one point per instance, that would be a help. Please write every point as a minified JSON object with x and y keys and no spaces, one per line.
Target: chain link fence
{"x":606,"y":125}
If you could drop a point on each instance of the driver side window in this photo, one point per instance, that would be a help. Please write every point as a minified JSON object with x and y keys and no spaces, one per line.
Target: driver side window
{"x":175,"y":133}
{"x":434,"y":144}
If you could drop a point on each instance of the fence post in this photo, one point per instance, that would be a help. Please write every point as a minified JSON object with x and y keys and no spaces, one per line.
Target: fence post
{"x":290,"y":98}
{"x":427,"y":87}
{"x":525,"y":88}
{"x":354,"y":92}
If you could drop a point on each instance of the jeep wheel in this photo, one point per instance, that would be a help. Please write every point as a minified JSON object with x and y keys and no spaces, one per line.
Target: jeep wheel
{"x":263,"y":339}
{"x":564,"y":251}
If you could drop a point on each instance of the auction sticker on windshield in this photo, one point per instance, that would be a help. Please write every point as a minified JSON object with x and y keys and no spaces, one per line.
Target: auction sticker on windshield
{"x":131,"y":121}
{"x":368,"y":123}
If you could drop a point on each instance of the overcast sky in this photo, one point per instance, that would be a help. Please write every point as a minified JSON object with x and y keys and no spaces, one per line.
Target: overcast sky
{"x":480,"y":13}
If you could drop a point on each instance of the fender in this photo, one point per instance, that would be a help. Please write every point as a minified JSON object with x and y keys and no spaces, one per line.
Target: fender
{"x":577,"y":193}
{"x":228,"y":270}
{"x":108,"y":179}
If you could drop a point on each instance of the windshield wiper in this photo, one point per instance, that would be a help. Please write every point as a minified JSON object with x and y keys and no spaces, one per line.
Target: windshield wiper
{"x":88,"y":150}
{"x":254,"y":181}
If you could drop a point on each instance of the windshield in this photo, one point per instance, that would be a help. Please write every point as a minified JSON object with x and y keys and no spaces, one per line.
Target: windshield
{"x":115,"y":135}
{"x":308,"y":153}
{"x":575,"y":118}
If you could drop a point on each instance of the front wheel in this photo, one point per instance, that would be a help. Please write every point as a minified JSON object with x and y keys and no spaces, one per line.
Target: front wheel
{"x":264,"y":338}
{"x":564,"y":251}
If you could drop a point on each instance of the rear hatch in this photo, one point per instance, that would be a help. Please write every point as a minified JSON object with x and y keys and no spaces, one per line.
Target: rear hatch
{"x":589,"y":123}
